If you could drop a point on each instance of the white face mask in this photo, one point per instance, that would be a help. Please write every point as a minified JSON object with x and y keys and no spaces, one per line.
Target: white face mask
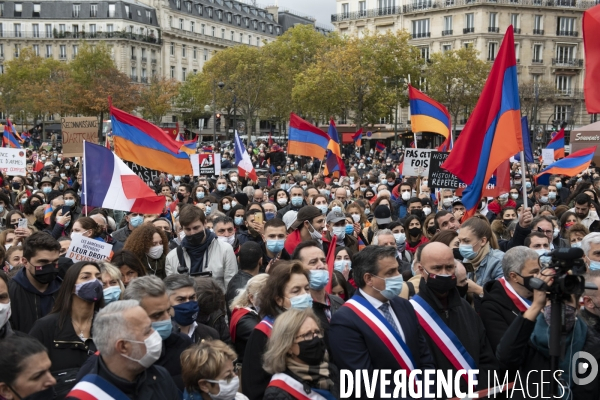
{"x":227,"y":239}
{"x":153,"y":345}
{"x":4,"y":314}
{"x":227,"y":391}
{"x":155,"y":252}
{"x":426,"y":211}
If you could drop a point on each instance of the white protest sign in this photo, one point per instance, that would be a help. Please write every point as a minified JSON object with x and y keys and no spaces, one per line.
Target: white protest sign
{"x":195,"y":160}
{"x":416,"y":162}
{"x":12,"y":161}
{"x":547,"y":156}
{"x":86,"y":249}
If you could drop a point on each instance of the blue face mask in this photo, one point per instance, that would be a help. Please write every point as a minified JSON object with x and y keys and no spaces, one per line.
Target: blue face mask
{"x":297,"y":201}
{"x":163,"y":328}
{"x":275,"y":246}
{"x":301,"y":302}
{"x":111,"y":293}
{"x":269,"y":215}
{"x":576,"y":244}
{"x":393,"y":286}
{"x":594,"y":265}
{"x":528,"y":185}
{"x":323,"y":208}
{"x":46,"y":189}
{"x":558,"y":185}
{"x":340,"y":265}
{"x":199,"y":195}
{"x":136,"y":221}
{"x":69,"y":202}
{"x":221,"y":187}
{"x":349,"y":229}
{"x":318,"y":279}
{"x":238,"y":220}
{"x":186,"y":313}
{"x":226,"y":207}
{"x":466,"y":250}
{"x":207,"y":210}
{"x":336,"y":208}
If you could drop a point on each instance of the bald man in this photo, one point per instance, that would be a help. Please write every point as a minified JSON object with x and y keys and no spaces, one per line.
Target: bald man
{"x":438,"y":297}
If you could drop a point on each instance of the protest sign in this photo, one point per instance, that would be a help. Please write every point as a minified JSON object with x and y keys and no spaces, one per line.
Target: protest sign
{"x":12,"y":161}
{"x":439,"y":178}
{"x":206,"y":164}
{"x":146,"y":174}
{"x":74,"y":131}
{"x":86,"y":249}
{"x":416,"y":162}
{"x":547,"y":156}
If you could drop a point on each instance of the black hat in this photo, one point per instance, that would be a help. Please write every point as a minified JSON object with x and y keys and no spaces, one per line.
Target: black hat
{"x":383,"y":215}
{"x":306,"y":213}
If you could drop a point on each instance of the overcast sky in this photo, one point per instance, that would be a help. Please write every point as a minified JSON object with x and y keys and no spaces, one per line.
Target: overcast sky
{"x":320,"y":9}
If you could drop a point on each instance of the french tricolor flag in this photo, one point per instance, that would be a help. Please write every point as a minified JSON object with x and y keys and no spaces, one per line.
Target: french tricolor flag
{"x":109,"y":183}
{"x":243,"y":161}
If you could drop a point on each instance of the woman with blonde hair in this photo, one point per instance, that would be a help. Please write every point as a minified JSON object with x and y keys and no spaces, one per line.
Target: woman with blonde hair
{"x":112,"y":283}
{"x":208,"y":372}
{"x":244,"y":313}
{"x":296,"y":356}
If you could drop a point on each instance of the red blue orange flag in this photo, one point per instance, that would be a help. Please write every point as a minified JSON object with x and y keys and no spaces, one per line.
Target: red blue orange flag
{"x":145,"y":144}
{"x":427,"y":115}
{"x":568,"y":166}
{"x":11,"y":138}
{"x":357,"y":138}
{"x":379,"y":147}
{"x":333,"y":158}
{"x":305,"y":139}
{"x":558,"y":144}
{"x":493,"y":132}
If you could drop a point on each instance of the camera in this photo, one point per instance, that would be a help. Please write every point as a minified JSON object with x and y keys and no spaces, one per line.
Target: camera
{"x":568,"y":266}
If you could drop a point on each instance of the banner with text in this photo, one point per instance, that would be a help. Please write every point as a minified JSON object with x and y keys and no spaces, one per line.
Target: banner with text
{"x":439,"y":178}
{"x":206,"y":164}
{"x":12,"y":161}
{"x":416,"y":162}
{"x":74,"y":131}
{"x":86,"y":249}
{"x":146,"y":174}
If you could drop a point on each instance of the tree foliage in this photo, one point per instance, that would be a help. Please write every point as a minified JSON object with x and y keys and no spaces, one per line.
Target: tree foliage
{"x":156,"y":99}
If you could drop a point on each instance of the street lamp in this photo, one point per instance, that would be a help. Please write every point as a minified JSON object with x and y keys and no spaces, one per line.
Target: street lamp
{"x":214,"y":108}
{"x":396,"y":82}
{"x":22,"y":114}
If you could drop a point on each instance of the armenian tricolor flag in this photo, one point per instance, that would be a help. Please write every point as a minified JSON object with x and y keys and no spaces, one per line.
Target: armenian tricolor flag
{"x":379,"y":147}
{"x":47,"y":213}
{"x":306,"y":139}
{"x":11,"y":138}
{"x":493,"y":132}
{"x":526,"y":143}
{"x":357,"y":138}
{"x":427,"y":115}
{"x":333,"y":160}
{"x":558,"y":144}
{"x":568,"y":166}
{"x":145,"y":144}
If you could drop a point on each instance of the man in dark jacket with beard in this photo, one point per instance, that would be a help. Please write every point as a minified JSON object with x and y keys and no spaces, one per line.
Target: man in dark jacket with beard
{"x":439,"y":299}
{"x":33,"y":289}
{"x":506,"y":298}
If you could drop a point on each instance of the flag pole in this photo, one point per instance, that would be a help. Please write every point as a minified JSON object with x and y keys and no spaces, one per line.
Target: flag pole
{"x":415,"y":140}
{"x":523,"y":176}
{"x":84,"y":179}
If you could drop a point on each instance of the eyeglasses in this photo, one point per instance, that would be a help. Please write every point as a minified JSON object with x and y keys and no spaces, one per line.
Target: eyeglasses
{"x":545,"y":232}
{"x":311,"y":335}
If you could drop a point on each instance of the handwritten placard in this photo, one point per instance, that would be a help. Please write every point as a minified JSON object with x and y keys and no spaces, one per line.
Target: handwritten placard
{"x":86,"y":249}
{"x":74,"y":131}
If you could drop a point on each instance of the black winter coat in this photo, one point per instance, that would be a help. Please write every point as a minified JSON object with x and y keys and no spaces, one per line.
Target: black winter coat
{"x":462,"y":319}
{"x":237,"y":282}
{"x":170,"y":358}
{"x":518,"y":239}
{"x":497,"y":312}
{"x":243,"y":330}
{"x":254,"y":378}
{"x":201,"y":332}
{"x":319,"y":310}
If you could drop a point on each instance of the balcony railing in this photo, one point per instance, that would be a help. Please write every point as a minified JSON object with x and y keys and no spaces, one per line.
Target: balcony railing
{"x":62,"y":56}
{"x":537,"y":62}
{"x":567,"y":33}
{"x":153,"y":61}
{"x":568,"y":62}
{"x":144,"y":79}
{"x":518,"y":31}
{"x":207,"y":38}
{"x":133,"y":57}
{"x":421,"y":35}
{"x":538,"y":31}
{"x":469,"y":30}
{"x":415,"y":6}
{"x":447,"y":32}
{"x":86,"y":35}
{"x":144,"y":59}
{"x":493,"y":29}
{"x":134,"y":78}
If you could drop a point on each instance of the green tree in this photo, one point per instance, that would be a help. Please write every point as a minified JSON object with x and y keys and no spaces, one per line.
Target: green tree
{"x":156,"y":99}
{"x":456,"y":78}
{"x":193,"y":95}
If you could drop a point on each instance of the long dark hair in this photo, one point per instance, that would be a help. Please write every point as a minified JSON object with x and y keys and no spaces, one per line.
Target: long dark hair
{"x":279,"y":275}
{"x":64,"y":299}
{"x":126,"y":257}
{"x":27,"y":208}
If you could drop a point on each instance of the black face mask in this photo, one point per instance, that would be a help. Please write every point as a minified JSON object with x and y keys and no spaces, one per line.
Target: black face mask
{"x":441,"y":284}
{"x":197,"y":238}
{"x":431,"y":230}
{"x":462,"y":290}
{"x":526,"y":282}
{"x":414,"y":232}
{"x":45,"y":273}
{"x":507,"y":222}
{"x":16,"y":185}
{"x":418,"y":213}
{"x":456,"y":253}
{"x":43,"y":395}
{"x":169,"y":236}
{"x":312,"y":351}
{"x":180,"y":196}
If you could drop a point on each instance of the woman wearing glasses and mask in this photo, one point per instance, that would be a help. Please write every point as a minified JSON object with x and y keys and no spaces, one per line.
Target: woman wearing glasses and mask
{"x":208,"y":372}
{"x":296,"y":356}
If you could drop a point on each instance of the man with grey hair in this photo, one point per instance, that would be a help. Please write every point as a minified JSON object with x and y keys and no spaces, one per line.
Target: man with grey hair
{"x":129,"y":348}
{"x":591,"y":250}
{"x":151,"y":293}
{"x":384,"y":237}
{"x":181,"y":290}
{"x":506,"y":298}
{"x":249,"y":190}
{"x":591,"y":302}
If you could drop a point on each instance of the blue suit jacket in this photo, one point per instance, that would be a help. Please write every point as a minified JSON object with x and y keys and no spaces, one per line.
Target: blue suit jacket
{"x":355,"y":346}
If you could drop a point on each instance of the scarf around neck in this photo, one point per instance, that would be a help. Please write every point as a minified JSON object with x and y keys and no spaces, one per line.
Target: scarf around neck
{"x":314,"y":376}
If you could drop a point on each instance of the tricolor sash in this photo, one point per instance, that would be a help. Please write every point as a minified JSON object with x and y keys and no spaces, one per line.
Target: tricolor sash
{"x":236,"y":315}
{"x":94,"y":387}
{"x":383,"y":330}
{"x":442,"y":336}
{"x":294,"y":388}
{"x":266,"y":325}
{"x":521,"y":303}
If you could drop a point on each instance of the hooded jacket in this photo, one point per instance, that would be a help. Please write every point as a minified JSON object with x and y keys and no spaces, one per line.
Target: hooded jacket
{"x":27,"y":303}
